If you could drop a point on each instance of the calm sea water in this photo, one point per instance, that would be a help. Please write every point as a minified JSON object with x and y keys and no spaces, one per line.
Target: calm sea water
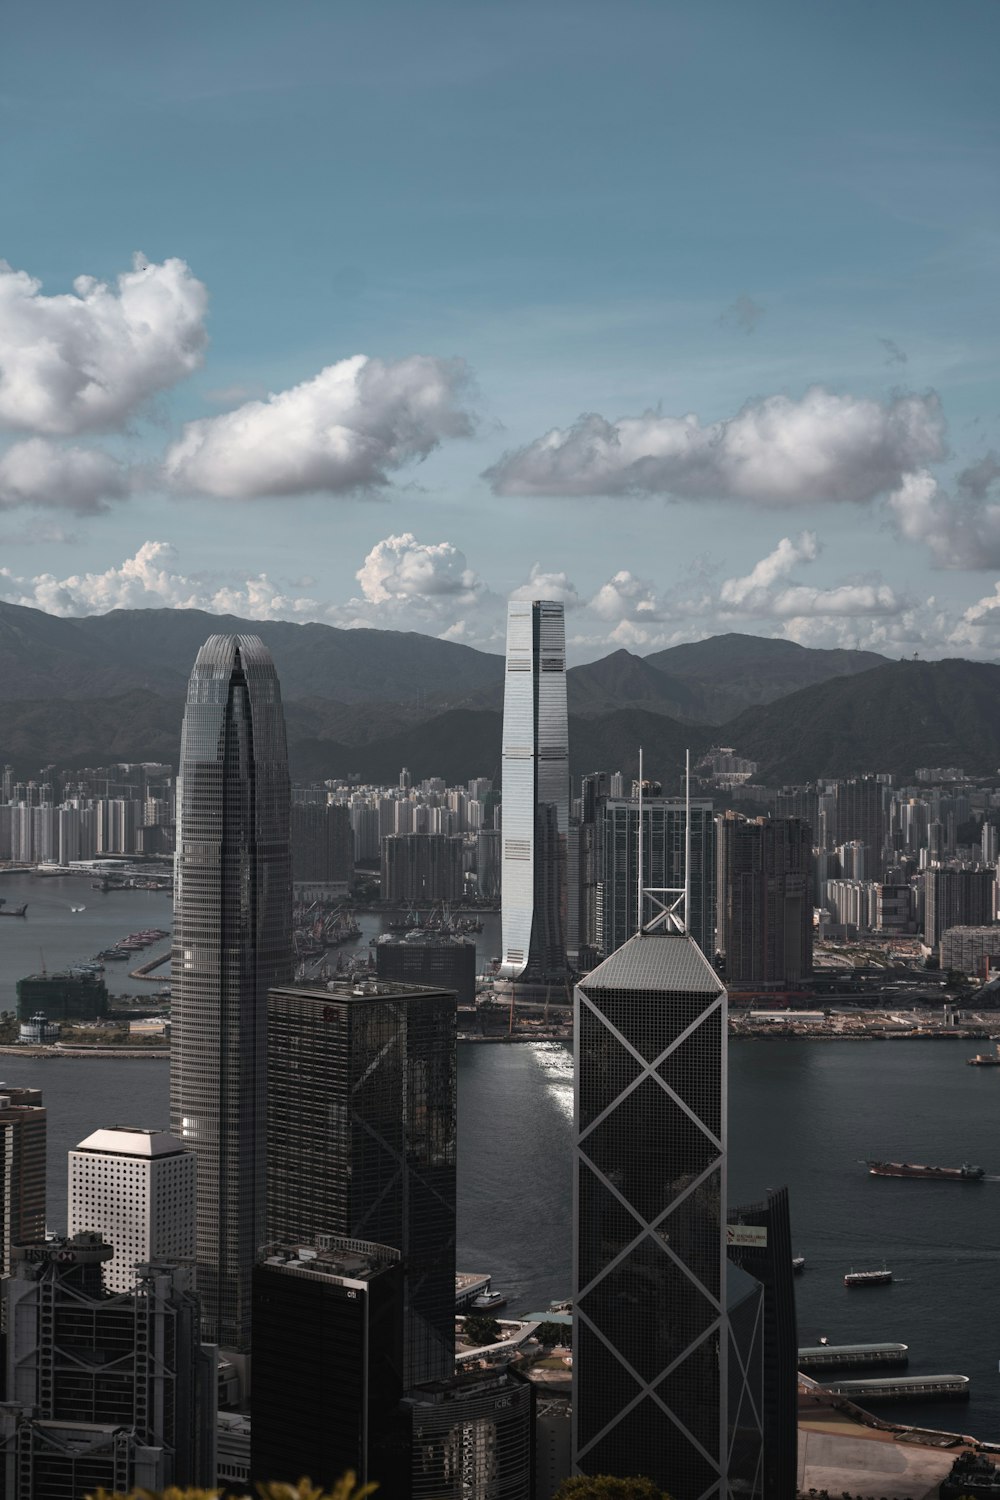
{"x":802,"y":1114}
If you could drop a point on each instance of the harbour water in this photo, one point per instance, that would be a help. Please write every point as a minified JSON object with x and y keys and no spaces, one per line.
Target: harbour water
{"x":802,"y":1113}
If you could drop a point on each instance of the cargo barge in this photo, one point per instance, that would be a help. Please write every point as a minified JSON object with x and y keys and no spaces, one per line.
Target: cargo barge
{"x":965,"y":1173}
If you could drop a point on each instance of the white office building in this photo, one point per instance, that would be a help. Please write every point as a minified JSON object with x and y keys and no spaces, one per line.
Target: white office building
{"x":136,"y":1189}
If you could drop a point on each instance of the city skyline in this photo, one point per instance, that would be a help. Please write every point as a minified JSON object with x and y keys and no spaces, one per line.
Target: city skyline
{"x":731,"y":371}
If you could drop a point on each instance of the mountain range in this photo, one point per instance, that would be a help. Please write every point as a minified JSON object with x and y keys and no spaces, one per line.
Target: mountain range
{"x":110,"y":687}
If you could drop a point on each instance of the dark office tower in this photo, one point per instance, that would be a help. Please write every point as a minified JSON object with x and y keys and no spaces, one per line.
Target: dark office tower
{"x":650,"y":1346}
{"x":535,"y":793}
{"x":328,"y":1363}
{"x":431,"y":958}
{"x":765,"y":905}
{"x":322,"y":843}
{"x":22,"y":1171}
{"x":361,"y":1139}
{"x":860,"y":814}
{"x":767,"y":1257}
{"x":232,"y":941}
{"x":956,"y":898}
{"x":422,"y":867}
{"x":103,"y":1391}
{"x":471,"y":1437}
{"x":663,"y":836}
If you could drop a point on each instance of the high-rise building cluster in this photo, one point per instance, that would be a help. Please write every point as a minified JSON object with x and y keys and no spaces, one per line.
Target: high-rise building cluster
{"x":288,"y":1247}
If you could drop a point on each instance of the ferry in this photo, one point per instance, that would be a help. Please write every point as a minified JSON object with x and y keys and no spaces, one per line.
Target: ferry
{"x":985,"y":1059}
{"x":965,"y":1173}
{"x":868,"y":1278}
{"x":489,"y":1302}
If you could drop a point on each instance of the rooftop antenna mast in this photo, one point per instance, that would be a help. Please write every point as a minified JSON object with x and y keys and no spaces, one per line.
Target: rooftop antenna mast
{"x":671,"y":916}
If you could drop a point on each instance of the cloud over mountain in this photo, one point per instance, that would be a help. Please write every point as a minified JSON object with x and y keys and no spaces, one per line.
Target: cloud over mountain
{"x":86,"y":360}
{"x":347,"y":429}
{"x":774,"y":452}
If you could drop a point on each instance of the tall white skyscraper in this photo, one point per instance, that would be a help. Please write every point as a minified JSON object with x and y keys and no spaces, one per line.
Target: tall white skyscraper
{"x":137,"y":1190}
{"x":535,"y":793}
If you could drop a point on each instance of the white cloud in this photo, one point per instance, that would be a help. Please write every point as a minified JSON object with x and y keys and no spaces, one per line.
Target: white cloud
{"x":626,"y":597}
{"x":775,"y":452}
{"x":347,"y":429}
{"x":41,"y":474}
{"x":547,"y":585}
{"x":400,"y":568}
{"x":85,"y":360}
{"x":150,"y":580}
{"x":777,"y":564}
{"x":960,"y":530}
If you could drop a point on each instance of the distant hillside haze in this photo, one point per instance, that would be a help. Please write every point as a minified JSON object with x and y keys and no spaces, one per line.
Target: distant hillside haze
{"x":111,"y":687}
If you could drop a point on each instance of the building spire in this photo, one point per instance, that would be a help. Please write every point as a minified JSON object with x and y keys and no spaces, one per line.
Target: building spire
{"x":671,"y":916}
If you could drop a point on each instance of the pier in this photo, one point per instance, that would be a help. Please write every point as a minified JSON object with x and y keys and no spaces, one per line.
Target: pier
{"x":853,"y":1356}
{"x":903,"y":1388}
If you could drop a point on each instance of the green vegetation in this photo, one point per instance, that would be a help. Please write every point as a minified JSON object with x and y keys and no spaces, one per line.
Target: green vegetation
{"x":482,"y":1330}
{"x":554,"y":1333}
{"x":607,"y":1487}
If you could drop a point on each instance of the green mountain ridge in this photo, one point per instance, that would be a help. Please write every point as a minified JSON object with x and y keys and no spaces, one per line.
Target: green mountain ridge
{"x":893,"y":718}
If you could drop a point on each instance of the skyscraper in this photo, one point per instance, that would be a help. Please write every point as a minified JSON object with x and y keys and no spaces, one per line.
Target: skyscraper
{"x":102,"y":1390}
{"x":328,"y":1363}
{"x":663,"y":838}
{"x":535,"y":793}
{"x":136,"y":1188}
{"x":651,"y":1343}
{"x":232,"y":941}
{"x":765,"y":905}
{"x":361,"y":1117}
{"x":22,"y":1171}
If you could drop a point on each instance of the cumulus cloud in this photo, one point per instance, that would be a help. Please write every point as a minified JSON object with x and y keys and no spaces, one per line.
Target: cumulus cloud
{"x":960,"y":530}
{"x":347,"y":429}
{"x":768,"y":592}
{"x":41,"y":474}
{"x":627,"y":597}
{"x":400,"y":567}
{"x":407,"y":584}
{"x":86,"y":360}
{"x":548,"y":585}
{"x":777,"y":564}
{"x":149,"y":580}
{"x":775,"y":452}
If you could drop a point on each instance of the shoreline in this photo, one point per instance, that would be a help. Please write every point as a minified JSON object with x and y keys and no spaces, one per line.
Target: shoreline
{"x":14,"y":1049}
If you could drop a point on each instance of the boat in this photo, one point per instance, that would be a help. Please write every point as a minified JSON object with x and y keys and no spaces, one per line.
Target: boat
{"x":78,"y":908}
{"x":985,"y":1059}
{"x":12,"y":911}
{"x":798,"y":1264}
{"x":965,"y":1173}
{"x":489,"y":1301}
{"x":868,"y":1278}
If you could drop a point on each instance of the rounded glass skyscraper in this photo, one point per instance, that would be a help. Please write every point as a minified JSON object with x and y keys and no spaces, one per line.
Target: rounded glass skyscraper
{"x":232,"y":941}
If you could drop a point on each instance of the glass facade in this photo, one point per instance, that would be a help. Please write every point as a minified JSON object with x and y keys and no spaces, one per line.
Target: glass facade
{"x":651,"y":1346}
{"x":535,"y":806}
{"x":663,"y":853}
{"x":472,"y":1438}
{"x":361,"y":1123}
{"x":327,"y":1364}
{"x":232,"y":941}
{"x":764,"y":911}
{"x":770,"y":1265}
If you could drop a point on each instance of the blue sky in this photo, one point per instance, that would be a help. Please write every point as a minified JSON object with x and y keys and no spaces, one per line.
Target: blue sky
{"x":778,"y":220}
